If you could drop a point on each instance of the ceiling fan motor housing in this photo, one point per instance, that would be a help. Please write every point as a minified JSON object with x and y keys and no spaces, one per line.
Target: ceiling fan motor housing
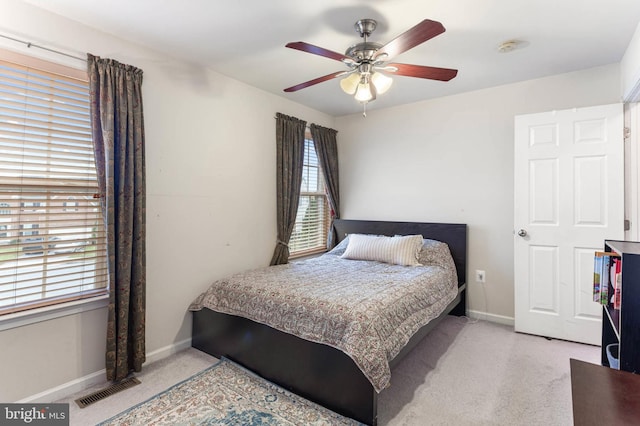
{"x":363,"y":51}
{"x":366,"y":50}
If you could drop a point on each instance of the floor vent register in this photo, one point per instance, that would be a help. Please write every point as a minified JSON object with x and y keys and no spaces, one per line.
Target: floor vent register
{"x":106,"y":392}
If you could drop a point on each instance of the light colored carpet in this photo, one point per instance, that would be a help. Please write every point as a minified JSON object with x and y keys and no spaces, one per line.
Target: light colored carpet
{"x":483,"y":374}
{"x":460,"y":374}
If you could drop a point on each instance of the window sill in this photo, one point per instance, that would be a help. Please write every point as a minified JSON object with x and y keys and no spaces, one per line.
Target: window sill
{"x":307,"y":255}
{"x":46,"y":313}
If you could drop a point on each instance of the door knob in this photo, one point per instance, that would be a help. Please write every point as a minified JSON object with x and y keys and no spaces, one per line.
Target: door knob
{"x":522,"y":233}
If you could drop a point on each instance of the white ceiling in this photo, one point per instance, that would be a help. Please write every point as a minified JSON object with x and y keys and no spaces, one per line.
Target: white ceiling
{"x":245,"y":39}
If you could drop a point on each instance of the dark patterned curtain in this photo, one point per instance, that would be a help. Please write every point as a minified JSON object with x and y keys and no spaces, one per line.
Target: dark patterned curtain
{"x":326,"y":145}
{"x":290,"y":158}
{"x":118,"y":137}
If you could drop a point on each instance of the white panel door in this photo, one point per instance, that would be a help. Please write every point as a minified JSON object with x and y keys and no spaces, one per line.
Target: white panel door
{"x":569,"y":198}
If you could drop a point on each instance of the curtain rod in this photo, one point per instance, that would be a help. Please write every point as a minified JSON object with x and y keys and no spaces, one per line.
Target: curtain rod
{"x":306,"y":126}
{"x":29,"y":45}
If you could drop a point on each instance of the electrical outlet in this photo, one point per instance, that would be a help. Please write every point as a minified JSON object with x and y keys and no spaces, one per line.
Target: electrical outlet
{"x":480,"y":276}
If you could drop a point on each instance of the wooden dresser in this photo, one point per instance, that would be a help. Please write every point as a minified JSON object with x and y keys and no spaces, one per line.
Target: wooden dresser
{"x":604,"y":396}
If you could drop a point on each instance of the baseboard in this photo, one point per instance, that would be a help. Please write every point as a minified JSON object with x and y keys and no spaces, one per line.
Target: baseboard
{"x":168,"y":350}
{"x":485,"y":316}
{"x":66,"y":389}
{"x":93,"y":379}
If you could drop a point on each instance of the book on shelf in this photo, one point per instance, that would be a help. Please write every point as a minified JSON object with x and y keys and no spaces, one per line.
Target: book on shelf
{"x":597,"y":269}
{"x":607,"y":278}
{"x":616,"y":273}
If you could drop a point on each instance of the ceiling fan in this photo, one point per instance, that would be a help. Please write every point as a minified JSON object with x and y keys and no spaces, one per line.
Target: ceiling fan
{"x":368,"y":61}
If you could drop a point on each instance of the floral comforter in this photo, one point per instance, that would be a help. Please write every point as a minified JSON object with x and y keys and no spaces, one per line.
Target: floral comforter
{"x":369,"y":310}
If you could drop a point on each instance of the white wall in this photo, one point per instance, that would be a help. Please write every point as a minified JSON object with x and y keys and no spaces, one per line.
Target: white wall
{"x":630,"y":69}
{"x":451,"y":160}
{"x":210,"y":156}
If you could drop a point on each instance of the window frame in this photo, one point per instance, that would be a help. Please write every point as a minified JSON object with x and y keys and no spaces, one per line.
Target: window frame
{"x":22,"y":313}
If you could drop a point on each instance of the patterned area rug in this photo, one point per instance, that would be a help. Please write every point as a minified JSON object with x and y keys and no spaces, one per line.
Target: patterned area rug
{"x":227,"y":394}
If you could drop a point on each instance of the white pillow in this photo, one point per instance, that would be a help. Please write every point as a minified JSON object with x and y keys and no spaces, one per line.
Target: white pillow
{"x":398,"y":250}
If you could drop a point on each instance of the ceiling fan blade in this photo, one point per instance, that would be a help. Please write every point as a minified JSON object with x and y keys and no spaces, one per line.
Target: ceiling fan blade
{"x":431,"y":73}
{"x":315,"y":81}
{"x":422,"y":32}
{"x":316,"y":50}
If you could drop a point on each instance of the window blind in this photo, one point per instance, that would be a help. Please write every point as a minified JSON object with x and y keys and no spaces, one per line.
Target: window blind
{"x":312,"y":219}
{"x":52,"y":239}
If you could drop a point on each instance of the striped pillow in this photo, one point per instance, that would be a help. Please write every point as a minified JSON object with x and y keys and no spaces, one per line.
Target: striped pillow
{"x":398,"y":250}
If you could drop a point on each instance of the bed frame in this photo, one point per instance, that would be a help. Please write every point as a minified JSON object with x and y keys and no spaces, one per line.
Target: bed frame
{"x":315,"y":371}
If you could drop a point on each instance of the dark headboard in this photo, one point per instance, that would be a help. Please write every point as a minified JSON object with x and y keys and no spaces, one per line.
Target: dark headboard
{"x":454,"y":234}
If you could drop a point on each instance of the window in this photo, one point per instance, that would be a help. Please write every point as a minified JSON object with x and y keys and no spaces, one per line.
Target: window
{"x":4,"y":210}
{"x":31,"y":229}
{"x":313,"y":217}
{"x":49,"y":253}
{"x":71,"y":203}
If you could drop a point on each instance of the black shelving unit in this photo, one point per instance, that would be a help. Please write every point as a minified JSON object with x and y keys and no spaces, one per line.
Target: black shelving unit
{"x":623,"y":325}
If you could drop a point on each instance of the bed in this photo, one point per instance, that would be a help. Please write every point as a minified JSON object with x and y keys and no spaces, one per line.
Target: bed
{"x":322,"y":372}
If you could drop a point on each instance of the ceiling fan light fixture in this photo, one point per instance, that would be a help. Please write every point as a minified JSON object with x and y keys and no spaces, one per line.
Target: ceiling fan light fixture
{"x":350,"y":83}
{"x":365,"y":92}
{"x":381,"y":81}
